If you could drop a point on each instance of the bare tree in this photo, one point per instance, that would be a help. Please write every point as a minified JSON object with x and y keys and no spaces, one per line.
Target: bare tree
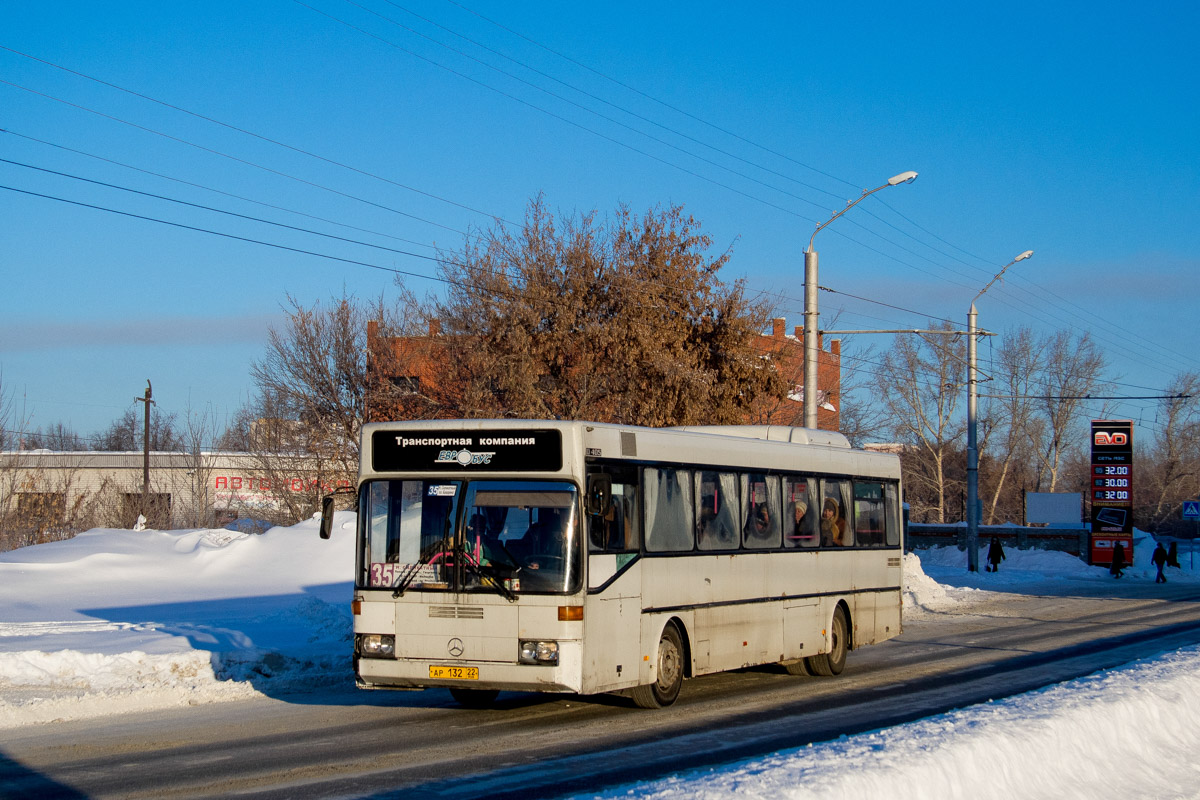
{"x":313,"y":388}
{"x":920,"y":383}
{"x":1009,"y":420}
{"x":1169,"y":471}
{"x":861,"y":417}
{"x":126,"y":433}
{"x":199,"y":434}
{"x":1072,"y":370}
{"x":56,"y":437}
{"x":8,"y":430}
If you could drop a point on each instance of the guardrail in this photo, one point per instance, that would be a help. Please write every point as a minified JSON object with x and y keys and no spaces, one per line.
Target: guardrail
{"x":1073,"y":540}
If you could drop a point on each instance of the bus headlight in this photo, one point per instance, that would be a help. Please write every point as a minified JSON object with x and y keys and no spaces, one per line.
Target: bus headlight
{"x":539,"y":653}
{"x":376,"y":645}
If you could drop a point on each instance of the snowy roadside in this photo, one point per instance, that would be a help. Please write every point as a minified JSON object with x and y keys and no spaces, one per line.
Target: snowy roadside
{"x":117,"y":621}
{"x":1129,"y":732}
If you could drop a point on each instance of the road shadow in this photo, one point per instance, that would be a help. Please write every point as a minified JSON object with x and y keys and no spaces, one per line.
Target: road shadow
{"x":19,"y":782}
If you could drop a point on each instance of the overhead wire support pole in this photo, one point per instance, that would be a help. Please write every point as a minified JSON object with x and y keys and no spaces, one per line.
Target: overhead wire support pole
{"x":973,"y":507}
{"x":811,"y":352}
{"x":146,"y":447}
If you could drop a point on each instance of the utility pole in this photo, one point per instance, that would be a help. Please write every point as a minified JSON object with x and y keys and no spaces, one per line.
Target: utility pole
{"x":973,"y":505}
{"x":811,"y":314}
{"x":146,"y":448}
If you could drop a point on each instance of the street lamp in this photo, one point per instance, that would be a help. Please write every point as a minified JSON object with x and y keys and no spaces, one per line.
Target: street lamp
{"x":811,"y":351}
{"x":973,"y":510}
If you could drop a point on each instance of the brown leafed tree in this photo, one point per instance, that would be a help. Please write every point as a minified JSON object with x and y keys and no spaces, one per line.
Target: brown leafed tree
{"x":623,"y":320}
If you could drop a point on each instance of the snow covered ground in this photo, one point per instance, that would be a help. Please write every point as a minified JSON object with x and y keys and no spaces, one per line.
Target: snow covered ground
{"x":116,"y":621}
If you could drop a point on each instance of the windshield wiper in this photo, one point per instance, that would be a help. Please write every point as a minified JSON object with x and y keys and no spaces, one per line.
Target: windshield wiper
{"x":489,"y":575}
{"x":442,"y":545}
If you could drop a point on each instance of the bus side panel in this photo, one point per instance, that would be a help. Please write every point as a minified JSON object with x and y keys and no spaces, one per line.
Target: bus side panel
{"x":612,"y":646}
{"x":887,"y":616}
{"x":802,"y":622}
{"x":862,"y":618}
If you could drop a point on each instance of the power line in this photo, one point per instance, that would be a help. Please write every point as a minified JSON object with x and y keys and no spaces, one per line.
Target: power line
{"x":654,"y":99}
{"x":210,"y":208}
{"x":201,"y":186}
{"x":232,"y":157}
{"x":246,"y":132}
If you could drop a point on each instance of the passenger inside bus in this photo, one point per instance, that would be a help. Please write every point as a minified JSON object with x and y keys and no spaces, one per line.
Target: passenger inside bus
{"x":799,"y":524}
{"x":607,"y":530}
{"x":717,"y":528}
{"x":833,"y":525}
{"x":543,"y":538}
{"x":758,"y":526}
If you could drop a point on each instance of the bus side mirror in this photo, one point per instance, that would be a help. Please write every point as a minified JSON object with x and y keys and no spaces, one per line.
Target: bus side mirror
{"x":326,"y":516}
{"x":599,"y":493}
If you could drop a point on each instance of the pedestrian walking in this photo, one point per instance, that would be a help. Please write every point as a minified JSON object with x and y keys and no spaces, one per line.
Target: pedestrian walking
{"x":1159,"y":559}
{"x":1117,"y":568}
{"x":995,"y":555}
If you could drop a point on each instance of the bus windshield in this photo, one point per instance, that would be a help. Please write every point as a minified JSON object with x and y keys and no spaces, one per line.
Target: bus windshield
{"x":489,"y":536}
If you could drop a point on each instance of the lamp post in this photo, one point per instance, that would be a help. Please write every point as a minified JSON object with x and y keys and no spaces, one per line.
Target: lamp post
{"x":811,"y":351}
{"x":973,"y":510}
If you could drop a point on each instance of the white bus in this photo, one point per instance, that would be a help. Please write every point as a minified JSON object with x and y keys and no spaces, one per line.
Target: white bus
{"x":579,"y":557}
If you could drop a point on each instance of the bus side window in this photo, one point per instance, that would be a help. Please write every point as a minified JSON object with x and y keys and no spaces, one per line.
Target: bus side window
{"x":835,"y":505}
{"x":761,"y":510}
{"x":617,"y":529}
{"x":718,"y":513}
{"x":892,"y":515}
{"x":868,"y":514}
{"x":801,"y":512}
{"x":668,"y":507}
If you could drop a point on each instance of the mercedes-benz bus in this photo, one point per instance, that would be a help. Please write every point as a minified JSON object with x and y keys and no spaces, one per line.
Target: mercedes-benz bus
{"x":577,"y":557}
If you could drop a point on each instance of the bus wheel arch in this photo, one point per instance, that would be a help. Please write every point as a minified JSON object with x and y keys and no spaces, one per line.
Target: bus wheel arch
{"x":672,"y":665}
{"x":833,"y":661}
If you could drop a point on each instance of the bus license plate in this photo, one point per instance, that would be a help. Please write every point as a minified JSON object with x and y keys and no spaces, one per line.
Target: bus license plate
{"x":454,"y":673}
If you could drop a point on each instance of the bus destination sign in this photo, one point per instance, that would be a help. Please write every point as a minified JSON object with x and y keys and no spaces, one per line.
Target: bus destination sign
{"x":523,"y":450}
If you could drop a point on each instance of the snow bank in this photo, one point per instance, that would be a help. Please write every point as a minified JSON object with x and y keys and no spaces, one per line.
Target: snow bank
{"x":1130,"y":732}
{"x":113,"y":621}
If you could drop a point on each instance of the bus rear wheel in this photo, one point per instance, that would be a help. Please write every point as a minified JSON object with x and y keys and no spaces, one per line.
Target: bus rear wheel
{"x":475,"y":698}
{"x":833,"y":662}
{"x":799,"y":668}
{"x":665,"y":689}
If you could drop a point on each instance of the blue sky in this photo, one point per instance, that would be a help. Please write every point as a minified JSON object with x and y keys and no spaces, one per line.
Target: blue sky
{"x":1069,"y":129}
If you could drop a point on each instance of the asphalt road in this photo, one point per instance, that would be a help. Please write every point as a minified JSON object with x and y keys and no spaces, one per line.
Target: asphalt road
{"x":382,"y":744}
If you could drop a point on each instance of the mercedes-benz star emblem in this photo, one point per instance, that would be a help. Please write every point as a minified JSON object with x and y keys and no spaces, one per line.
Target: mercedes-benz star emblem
{"x":455,"y":647}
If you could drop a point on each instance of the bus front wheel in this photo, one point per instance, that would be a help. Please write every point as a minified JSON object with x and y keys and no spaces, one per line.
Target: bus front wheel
{"x":833,"y":662}
{"x":665,"y":689}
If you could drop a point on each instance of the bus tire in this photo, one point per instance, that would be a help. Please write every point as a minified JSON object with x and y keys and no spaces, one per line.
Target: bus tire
{"x":665,"y":689}
{"x":797,"y":668}
{"x":475,"y":698}
{"x":833,"y":662}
